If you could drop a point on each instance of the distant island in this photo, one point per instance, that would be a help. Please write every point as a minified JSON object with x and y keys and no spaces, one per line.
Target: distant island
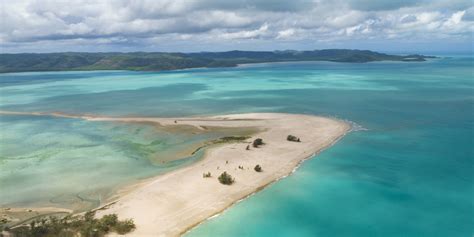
{"x":157,"y":61}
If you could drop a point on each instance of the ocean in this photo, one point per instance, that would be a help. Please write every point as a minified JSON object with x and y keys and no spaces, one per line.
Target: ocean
{"x":406,"y":170}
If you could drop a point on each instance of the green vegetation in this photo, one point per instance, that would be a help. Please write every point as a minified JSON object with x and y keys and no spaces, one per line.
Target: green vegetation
{"x":230,"y":139}
{"x":123,"y":227}
{"x":83,"y":226}
{"x":258,"y":168}
{"x":156,"y":61}
{"x":292,"y":138}
{"x":226,"y":179}
{"x":206,"y":175}
{"x":257,"y":142}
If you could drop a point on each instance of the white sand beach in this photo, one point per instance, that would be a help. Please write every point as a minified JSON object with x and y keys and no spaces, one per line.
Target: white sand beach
{"x":171,"y":204}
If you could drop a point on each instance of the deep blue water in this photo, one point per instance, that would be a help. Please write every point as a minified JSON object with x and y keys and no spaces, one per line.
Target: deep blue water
{"x":410,"y":172}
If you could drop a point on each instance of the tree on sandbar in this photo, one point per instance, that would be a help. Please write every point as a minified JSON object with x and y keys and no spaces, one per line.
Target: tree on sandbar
{"x":226,"y":179}
{"x":77,"y":225}
{"x":292,"y":138}
{"x":257,"y":142}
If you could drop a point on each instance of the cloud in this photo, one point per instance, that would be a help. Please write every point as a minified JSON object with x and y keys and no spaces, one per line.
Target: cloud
{"x":286,"y":34}
{"x":378,"y":5}
{"x":141,"y":24}
{"x":245,"y":34}
{"x":468,"y":15}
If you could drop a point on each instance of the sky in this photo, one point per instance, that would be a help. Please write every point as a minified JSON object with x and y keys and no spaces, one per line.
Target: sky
{"x":220,"y":25}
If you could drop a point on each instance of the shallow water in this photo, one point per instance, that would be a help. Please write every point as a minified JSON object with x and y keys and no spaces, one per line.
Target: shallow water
{"x":408,"y":173}
{"x":77,"y":164}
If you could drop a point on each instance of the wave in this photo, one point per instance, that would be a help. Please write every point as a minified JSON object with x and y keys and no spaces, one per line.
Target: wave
{"x":355,"y":127}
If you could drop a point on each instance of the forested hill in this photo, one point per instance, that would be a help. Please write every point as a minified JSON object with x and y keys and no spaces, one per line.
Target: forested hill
{"x":168,"y":61}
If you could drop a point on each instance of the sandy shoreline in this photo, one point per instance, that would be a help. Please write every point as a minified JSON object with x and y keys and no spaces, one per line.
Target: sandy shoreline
{"x":173,"y":203}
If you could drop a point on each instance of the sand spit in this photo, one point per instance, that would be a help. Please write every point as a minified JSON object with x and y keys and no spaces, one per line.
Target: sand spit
{"x":173,"y":203}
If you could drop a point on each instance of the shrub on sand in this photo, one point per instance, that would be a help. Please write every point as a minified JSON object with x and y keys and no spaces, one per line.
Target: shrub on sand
{"x":257,"y":142}
{"x":226,"y":179}
{"x":292,"y":138}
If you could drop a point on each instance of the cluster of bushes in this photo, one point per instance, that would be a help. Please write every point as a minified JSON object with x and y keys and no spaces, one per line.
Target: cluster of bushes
{"x":292,"y":138}
{"x":206,"y":175}
{"x":69,"y":226}
{"x":232,"y":139}
{"x":257,"y":142}
{"x":226,"y":179}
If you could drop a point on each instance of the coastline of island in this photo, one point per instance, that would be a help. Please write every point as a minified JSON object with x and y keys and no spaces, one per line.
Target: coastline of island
{"x":161,"y":61}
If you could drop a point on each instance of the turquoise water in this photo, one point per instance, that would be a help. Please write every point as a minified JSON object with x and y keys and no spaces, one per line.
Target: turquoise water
{"x":408,"y":173}
{"x":72,"y":163}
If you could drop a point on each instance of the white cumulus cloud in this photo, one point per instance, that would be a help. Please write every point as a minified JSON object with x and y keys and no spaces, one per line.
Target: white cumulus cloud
{"x":175,"y":25}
